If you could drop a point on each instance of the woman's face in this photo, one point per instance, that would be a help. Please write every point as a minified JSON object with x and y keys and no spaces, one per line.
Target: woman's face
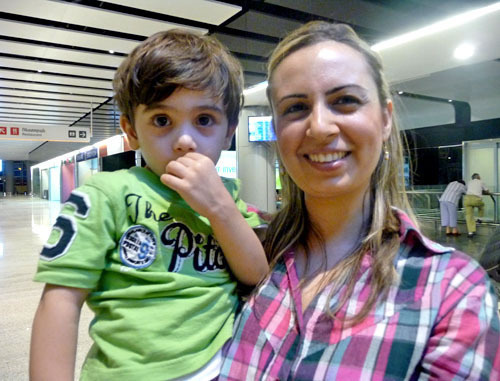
{"x":329,"y":123}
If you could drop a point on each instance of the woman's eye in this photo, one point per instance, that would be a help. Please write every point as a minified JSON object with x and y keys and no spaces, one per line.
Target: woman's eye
{"x":295,"y":108}
{"x":161,"y":120}
{"x":347,"y":100}
{"x":205,"y":120}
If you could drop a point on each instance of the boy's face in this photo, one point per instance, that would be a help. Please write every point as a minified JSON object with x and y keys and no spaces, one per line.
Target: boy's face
{"x":186,"y":121}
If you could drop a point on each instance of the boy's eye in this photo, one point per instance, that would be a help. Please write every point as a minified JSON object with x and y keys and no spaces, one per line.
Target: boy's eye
{"x":161,"y":120}
{"x":205,"y":120}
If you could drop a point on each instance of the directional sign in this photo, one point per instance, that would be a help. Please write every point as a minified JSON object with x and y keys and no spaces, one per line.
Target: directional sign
{"x":44,"y":133}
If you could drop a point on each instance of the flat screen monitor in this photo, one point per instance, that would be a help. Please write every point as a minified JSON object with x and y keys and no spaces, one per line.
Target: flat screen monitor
{"x":260,"y":129}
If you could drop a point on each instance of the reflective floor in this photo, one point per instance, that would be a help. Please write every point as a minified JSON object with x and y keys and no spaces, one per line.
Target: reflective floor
{"x":24,"y":226}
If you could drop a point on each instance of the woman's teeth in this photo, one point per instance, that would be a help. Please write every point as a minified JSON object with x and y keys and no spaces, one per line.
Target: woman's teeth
{"x":327,"y":157}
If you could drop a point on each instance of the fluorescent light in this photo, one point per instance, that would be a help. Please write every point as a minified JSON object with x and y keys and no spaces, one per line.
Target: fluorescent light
{"x":258,"y":87}
{"x":464,"y":51}
{"x":437,"y":27}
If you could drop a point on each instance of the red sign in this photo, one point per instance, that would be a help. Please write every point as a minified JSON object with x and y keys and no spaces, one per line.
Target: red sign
{"x":14,"y":130}
{"x":3,"y":130}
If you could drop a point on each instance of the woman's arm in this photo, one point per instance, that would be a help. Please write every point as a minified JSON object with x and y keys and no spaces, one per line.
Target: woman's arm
{"x":465,"y":342}
{"x":55,"y":333}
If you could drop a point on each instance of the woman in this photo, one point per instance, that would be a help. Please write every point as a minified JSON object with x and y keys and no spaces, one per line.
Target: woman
{"x":355,"y":292}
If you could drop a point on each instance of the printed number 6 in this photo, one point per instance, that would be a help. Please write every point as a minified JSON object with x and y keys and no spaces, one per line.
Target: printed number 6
{"x":67,"y":227}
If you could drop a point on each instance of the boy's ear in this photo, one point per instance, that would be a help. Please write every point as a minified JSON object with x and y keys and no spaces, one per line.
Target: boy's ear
{"x":129,"y":130}
{"x":229,"y":136}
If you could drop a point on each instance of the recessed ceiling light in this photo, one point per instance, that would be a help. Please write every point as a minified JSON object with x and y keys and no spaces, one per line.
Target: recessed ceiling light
{"x":39,"y":70}
{"x":464,"y":51}
{"x":111,"y":51}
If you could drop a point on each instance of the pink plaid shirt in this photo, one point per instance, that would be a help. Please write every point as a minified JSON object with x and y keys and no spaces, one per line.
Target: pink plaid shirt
{"x":440,"y":323}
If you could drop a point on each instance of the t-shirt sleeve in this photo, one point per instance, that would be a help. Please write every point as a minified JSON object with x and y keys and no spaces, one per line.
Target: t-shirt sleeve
{"x":75,"y":252}
{"x":465,"y":341}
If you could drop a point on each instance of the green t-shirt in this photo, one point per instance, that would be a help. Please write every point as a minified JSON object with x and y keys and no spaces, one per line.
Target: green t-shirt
{"x":161,"y":292}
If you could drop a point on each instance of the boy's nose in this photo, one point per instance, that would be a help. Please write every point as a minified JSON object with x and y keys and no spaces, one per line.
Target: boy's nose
{"x":184,"y":144}
{"x":322,"y":123}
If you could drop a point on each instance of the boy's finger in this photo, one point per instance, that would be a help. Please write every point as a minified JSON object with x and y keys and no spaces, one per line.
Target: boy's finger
{"x":176,"y":168}
{"x":172,"y":181}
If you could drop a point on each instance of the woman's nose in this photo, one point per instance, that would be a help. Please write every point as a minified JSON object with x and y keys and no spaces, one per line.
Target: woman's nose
{"x":322,"y":123}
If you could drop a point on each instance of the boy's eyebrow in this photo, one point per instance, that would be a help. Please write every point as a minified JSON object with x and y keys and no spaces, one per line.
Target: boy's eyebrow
{"x":159,"y":105}
{"x":329,"y":92}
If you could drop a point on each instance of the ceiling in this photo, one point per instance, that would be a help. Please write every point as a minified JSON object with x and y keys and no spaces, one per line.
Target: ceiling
{"x":58,"y":57}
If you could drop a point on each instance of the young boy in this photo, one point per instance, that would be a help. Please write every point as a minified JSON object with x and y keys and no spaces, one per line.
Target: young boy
{"x":144,"y":247}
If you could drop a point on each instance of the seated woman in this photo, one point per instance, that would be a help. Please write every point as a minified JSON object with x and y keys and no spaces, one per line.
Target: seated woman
{"x":356,"y":292}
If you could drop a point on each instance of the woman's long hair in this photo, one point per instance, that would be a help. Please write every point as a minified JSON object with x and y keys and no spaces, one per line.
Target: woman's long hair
{"x":292,"y":227}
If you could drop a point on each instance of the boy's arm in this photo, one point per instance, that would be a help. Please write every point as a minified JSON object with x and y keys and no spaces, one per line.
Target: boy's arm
{"x":55,"y":333}
{"x":195,"y":178}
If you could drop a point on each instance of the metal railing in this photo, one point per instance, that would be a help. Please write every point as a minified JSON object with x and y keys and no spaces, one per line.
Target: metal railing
{"x":425,"y":202}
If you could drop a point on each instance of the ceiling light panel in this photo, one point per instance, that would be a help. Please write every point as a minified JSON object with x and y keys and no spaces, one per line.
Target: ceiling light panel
{"x":54,"y":88}
{"x":207,"y":11}
{"x":81,"y":15}
{"x":33,"y":107}
{"x":54,"y":96}
{"x":56,"y":68}
{"x":31,"y":50}
{"x":40,"y":77}
{"x":29,"y":111}
{"x":33,"y":121}
{"x":41,"y":103}
{"x":65,"y":37}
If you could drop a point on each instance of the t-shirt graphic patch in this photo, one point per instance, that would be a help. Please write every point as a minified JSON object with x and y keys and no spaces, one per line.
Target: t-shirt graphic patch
{"x":138,"y":247}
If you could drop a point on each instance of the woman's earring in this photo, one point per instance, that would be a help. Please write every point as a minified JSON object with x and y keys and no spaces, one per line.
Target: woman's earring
{"x":387,"y":155}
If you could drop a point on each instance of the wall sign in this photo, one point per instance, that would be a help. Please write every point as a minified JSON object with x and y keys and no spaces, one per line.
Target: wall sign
{"x":44,"y":133}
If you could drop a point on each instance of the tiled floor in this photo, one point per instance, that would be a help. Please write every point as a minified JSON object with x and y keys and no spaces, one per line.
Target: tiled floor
{"x":24,"y":226}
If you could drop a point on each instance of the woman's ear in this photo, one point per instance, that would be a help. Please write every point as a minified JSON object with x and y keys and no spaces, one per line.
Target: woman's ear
{"x":387,"y":120}
{"x":129,"y":130}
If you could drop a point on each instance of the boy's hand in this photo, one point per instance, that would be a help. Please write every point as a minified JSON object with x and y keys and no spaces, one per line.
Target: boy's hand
{"x":195,"y":178}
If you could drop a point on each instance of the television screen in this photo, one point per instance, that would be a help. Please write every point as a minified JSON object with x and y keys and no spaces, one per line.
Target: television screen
{"x":260,"y":129}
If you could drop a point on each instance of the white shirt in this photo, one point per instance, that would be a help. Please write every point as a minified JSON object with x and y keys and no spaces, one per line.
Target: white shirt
{"x":476,"y":187}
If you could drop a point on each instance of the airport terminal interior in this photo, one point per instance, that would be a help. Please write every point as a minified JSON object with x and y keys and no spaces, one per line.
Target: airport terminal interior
{"x":59,"y":124}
